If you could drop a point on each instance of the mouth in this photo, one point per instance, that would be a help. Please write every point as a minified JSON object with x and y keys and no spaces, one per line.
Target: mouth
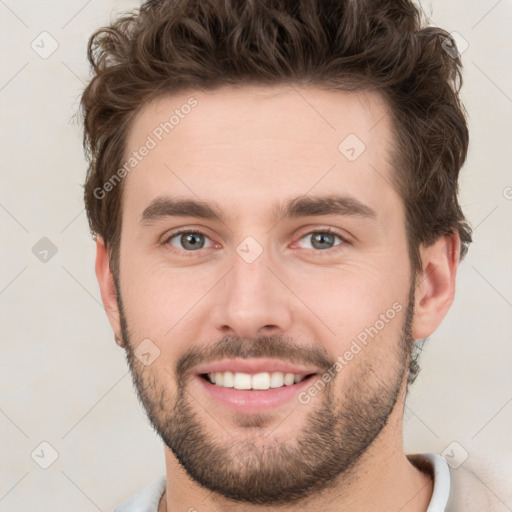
{"x":254,"y":382}
{"x":253,"y":386}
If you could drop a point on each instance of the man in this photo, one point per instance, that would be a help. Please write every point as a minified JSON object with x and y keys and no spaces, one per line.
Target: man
{"x":273,"y":190}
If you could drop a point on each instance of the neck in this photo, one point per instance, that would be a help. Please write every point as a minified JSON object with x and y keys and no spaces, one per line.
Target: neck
{"x":162,"y":504}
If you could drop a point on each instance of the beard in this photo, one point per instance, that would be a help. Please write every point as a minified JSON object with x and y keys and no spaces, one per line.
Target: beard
{"x":258,"y":469}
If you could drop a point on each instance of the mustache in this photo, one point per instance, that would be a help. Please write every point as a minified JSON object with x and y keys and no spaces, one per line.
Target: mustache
{"x":272,"y":347}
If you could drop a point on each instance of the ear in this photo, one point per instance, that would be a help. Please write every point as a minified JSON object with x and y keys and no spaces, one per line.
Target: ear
{"x":107,"y":288}
{"x":435,"y":285}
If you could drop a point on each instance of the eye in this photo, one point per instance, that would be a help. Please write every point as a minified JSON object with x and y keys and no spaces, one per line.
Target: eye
{"x":189,"y":240}
{"x":324,"y":239}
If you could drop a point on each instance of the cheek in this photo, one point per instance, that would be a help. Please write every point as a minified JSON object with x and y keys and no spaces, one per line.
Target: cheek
{"x":369,"y":343}
{"x":352,"y":296}
{"x":159,"y":300}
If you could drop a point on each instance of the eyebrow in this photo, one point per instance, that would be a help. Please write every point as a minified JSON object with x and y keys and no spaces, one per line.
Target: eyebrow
{"x":302,"y":206}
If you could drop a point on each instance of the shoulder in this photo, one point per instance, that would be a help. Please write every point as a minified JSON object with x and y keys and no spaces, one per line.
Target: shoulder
{"x":470,"y":491}
{"x":146,"y":500}
{"x":470,"y":487}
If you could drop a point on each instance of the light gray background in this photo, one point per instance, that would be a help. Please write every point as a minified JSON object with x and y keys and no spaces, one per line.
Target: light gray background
{"x":64,"y":381}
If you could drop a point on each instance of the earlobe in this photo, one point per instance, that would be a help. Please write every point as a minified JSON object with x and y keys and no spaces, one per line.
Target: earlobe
{"x":107,"y":288}
{"x":435,"y":285}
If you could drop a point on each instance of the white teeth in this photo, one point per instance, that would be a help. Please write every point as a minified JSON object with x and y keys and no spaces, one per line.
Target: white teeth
{"x":289,"y":379}
{"x":242,"y":381}
{"x":263,"y":380}
{"x":277,"y":380}
{"x":229,"y":380}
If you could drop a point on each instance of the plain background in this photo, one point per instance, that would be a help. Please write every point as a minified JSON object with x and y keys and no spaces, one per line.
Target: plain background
{"x":65,"y":382}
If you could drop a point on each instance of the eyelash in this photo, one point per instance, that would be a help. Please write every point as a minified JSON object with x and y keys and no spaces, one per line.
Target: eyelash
{"x":330,"y":231}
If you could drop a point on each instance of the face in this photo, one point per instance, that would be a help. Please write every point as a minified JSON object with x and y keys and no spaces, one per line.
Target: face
{"x":263,"y":246}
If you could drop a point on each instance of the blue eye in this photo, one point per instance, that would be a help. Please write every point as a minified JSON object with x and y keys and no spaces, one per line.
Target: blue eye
{"x":321,"y":240}
{"x":190,"y":240}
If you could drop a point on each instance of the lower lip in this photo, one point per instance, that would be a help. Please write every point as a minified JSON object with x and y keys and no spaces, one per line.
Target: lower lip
{"x":254,"y":401}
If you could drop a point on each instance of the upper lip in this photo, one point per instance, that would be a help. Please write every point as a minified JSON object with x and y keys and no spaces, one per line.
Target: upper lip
{"x":254,"y":366}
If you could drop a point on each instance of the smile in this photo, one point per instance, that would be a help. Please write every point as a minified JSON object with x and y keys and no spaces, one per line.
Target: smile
{"x":257,"y":381}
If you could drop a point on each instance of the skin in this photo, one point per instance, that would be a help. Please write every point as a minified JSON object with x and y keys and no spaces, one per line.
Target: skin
{"x":244,"y":149}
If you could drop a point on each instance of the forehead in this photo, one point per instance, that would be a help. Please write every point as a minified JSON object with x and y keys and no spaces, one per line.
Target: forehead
{"x":312,"y":115}
{"x":260,"y":142}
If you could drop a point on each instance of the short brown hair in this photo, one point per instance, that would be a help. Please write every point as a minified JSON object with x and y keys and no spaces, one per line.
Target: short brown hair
{"x":169,"y":46}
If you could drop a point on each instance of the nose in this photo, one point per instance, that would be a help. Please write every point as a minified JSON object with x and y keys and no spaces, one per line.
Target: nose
{"x":251,"y":301}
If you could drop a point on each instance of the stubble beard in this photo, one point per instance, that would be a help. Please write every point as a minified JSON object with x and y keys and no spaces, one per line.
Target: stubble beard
{"x":259,"y":470}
